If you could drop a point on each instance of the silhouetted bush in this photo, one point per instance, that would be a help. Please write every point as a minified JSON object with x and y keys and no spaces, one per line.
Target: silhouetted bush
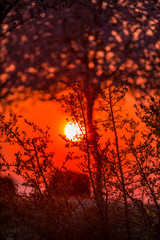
{"x":7,"y":187}
{"x":70,"y":182}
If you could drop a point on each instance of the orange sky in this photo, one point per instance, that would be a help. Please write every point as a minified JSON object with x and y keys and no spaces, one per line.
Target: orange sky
{"x":44,"y":114}
{"x":51,"y":114}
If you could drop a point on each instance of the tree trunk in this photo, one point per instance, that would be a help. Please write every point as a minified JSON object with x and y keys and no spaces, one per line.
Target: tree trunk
{"x":99,"y":198}
{"x":121,"y":170}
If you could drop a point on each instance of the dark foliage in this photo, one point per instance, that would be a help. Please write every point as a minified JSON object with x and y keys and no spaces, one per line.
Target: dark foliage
{"x":70,"y":182}
{"x":7,"y":187}
{"x":83,"y":41}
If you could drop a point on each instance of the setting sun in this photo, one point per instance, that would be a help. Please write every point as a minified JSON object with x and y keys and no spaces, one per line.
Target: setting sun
{"x":72,"y":131}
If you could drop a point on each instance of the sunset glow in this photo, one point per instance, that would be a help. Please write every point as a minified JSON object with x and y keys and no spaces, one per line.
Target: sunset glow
{"x":72,"y":131}
{"x":80,"y":120}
